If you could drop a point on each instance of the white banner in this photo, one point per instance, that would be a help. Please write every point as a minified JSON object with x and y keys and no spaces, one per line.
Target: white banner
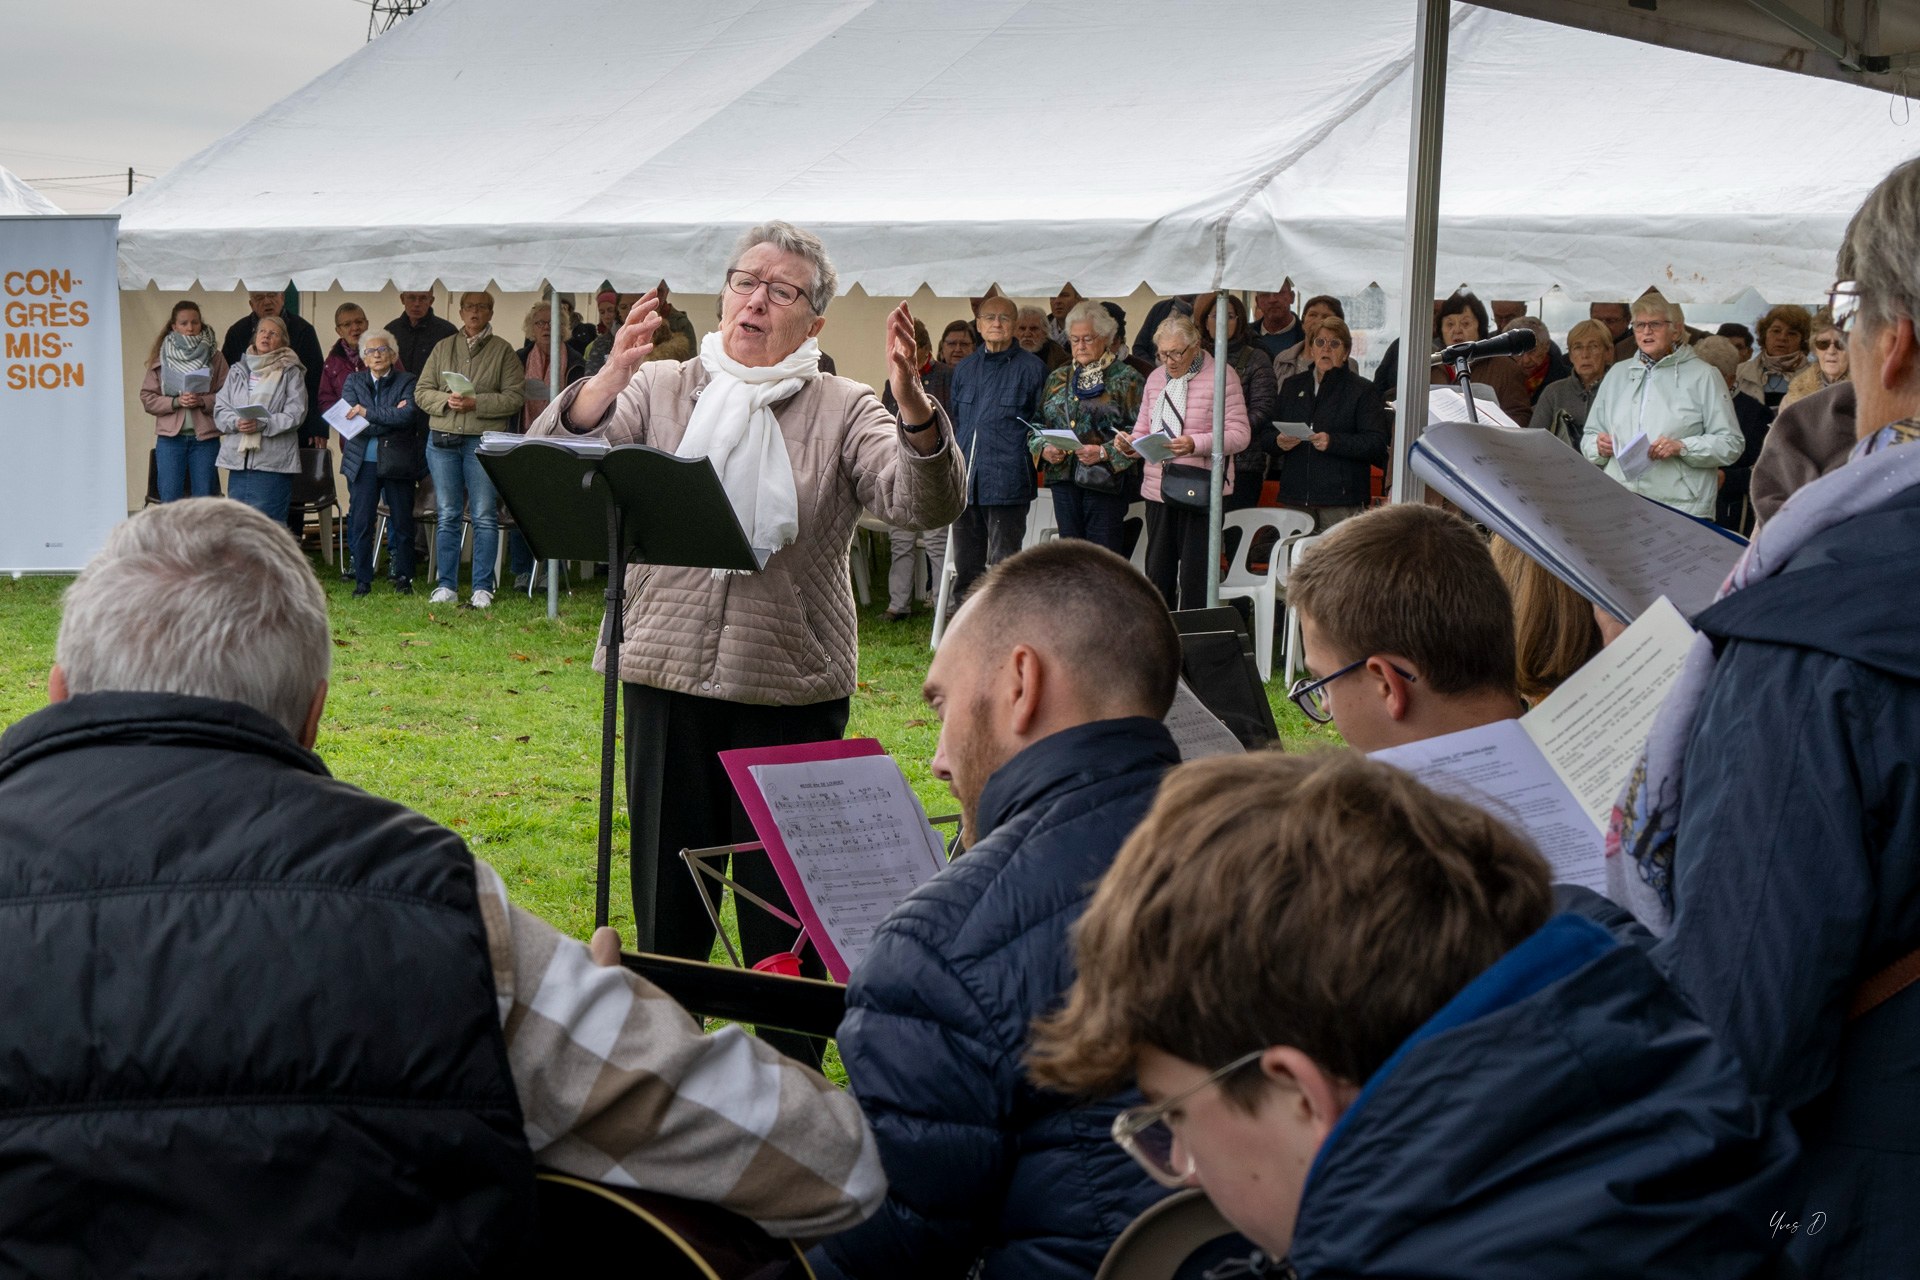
{"x":63,"y":483}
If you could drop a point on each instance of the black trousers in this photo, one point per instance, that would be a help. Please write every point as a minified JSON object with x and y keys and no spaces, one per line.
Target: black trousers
{"x":1177,"y":554}
{"x":679,"y":797}
{"x":983,"y":537}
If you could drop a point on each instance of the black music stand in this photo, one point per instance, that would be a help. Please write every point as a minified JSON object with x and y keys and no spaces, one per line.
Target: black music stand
{"x":644,"y":505}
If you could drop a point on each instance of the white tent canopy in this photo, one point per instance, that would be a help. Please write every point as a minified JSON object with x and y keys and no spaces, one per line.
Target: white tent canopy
{"x":1027,"y":142}
{"x":17,"y":198}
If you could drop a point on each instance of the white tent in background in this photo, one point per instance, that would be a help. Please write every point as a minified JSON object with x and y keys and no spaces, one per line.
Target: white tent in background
{"x":1109,"y":142}
{"x":17,"y":198}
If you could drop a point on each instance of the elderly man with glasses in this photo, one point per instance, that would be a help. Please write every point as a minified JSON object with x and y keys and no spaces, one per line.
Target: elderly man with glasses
{"x":715,"y":661}
{"x":996,"y":391}
{"x":1775,"y":836}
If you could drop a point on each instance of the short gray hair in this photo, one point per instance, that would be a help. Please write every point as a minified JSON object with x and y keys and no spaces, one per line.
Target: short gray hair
{"x":788,"y":238}
{"x":1177,"y":324}
{"x":379,"y":335}
{"x":286,"y":335}
{"x":1023,"y":312}
{"x":1720,"y":353}
{"x":205,"y":597}
{"x":1534,"y":323}
{"x":1096,"y":315}
{"x":1652,"y":304}
{"x":1881,"y":250}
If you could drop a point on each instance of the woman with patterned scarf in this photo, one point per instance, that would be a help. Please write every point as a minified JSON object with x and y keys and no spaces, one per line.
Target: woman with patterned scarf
{"x":1771,"y":832}
{"x":258,"y":413}
{"x":1784,"y":334}
{"x":1095,"y":395}
{"x":186,"y":444}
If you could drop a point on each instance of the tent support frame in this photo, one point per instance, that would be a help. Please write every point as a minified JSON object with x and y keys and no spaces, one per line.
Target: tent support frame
{"x":1431,"y":30}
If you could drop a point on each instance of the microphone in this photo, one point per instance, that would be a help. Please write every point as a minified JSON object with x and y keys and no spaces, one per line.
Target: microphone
{"x":1510,"y":343}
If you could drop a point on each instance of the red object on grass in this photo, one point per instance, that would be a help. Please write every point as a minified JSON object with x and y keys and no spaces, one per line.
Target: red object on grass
{"x":784,"y":963}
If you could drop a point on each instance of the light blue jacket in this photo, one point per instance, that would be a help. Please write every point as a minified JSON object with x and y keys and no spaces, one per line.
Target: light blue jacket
{"x":1683,"y":398}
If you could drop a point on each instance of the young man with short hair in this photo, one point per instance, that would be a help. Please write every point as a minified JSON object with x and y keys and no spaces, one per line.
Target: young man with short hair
{"x":1051,"y":686}
{"x":1360,"y":1028}
{"x":1407,"y":628}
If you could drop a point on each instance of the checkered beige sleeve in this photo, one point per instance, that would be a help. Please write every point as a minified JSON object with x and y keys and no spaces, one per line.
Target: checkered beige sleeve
{"x":617,"y":1083}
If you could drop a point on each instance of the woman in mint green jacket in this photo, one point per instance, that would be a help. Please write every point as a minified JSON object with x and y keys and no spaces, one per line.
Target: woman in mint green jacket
{"x":1679,"y":402}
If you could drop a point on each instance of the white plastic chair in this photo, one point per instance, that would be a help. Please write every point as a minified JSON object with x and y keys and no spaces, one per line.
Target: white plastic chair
{"x":943,"y":598}
{"x":1262,"y":588}
{"x":1295,"y":659}
{"x":1042,"y":524}
{"x":1137,"y":513}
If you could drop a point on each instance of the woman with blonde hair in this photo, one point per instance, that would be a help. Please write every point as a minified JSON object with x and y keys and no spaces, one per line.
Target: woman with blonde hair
{"x":186,"y":444}
{"x":1563,"y":405}
{"x":1554,"y":630}
{"x":1784,"y":333}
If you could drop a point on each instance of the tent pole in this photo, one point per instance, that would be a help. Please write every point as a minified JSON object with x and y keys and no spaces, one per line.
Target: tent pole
{"x":1422,"y":240}
{"x":1217,"y":480}
{"x":556,"y":377}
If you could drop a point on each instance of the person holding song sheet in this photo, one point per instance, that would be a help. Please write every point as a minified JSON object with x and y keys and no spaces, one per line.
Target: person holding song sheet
{"x":1050,"y":686}
{"x":1662,"y":423}
{"x":1328,"y":471}
{"x":264,"y":1023}
{"x":1772,"y":830}
{"x":1094,"y":398}
{"x":713,"y":661}
{"x":185,"y":371}
{"x":384,"y":460}
{"x":258,"y":413}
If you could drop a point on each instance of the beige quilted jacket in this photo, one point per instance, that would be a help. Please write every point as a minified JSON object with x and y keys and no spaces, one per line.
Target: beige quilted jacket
{"x":785,"y":636}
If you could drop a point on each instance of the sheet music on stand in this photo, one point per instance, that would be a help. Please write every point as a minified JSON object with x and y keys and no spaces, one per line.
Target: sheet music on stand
{"x":1446,"y":404}
{"x":846,"y":835}
{"x":1614,"y":547}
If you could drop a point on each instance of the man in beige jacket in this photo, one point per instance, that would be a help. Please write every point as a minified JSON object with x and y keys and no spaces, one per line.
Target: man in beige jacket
{"x":713,"y":662}
{"x":473,"y":383}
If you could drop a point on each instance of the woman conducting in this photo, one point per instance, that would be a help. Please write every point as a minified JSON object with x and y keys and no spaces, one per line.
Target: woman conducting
{"x":716,"y":661}
{"x":258,"y":412}
{"x":1096,"y":396}
{"x":1178,"y":406}
{"x":186,"y":444}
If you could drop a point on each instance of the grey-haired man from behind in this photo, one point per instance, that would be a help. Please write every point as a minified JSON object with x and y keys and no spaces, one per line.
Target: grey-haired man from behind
{"x":261,"y":1022}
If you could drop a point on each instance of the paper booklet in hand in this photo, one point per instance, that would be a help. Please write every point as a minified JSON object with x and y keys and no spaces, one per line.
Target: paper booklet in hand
{"x":1555,"y":773}
{"x":1614,"y":547}
{"x":1153,"y":446}
{"x":458,"y":384}
{"x":336,"y":417}
{"x":846,"y":834}
{"x":180,"y":382}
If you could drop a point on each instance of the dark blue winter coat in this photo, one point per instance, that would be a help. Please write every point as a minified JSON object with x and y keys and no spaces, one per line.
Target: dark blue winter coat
{"x":1797,"y":872}
{"x":1564,"y":1116}
{"x":982,"y":1164}
{"x":401,"y":431}
{"x":992,"y":392}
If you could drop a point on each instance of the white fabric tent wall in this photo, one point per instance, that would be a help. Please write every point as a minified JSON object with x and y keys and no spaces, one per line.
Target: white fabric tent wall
{"x":908,"y":135}
{"x":17,"y":198}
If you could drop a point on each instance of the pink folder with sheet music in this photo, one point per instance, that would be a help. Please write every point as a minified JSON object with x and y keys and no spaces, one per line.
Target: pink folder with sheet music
{"x":846,"y":835}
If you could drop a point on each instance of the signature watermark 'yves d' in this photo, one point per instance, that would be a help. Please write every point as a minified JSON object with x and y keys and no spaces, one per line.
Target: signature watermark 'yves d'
{"x":1779,"y":1223}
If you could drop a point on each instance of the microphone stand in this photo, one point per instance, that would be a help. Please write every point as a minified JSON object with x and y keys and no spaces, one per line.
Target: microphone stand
{"x":1462,"y":367}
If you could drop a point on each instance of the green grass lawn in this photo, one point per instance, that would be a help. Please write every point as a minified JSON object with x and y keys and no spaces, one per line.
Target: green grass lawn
{"x":490,"y":721}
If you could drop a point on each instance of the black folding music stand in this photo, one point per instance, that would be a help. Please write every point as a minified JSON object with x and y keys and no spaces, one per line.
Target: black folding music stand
{"x":576,"y":499}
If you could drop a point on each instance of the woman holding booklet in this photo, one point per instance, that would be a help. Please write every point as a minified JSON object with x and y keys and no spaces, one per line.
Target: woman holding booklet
{"x":1094,"y":397}
{"x":1328,"y":472}
{"x":185,"y":371}
{"x":258,"y":413}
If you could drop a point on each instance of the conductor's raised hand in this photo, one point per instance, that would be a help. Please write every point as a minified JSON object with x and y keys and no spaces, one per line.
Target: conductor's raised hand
{"x":633,"y":343}
{"x":903,"y":370}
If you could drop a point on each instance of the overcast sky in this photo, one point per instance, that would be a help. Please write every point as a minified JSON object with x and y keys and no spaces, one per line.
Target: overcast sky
{"x":94,"y":86}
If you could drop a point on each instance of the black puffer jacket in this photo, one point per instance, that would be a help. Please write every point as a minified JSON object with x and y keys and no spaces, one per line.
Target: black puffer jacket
{"x":250,"y":1022}
{"x":1350,"y":411}
{"x":981,"y":1164}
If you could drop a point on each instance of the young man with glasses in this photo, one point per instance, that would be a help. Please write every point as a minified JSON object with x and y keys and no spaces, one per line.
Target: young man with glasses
{"x":1407,"y":628}
{"x":1362,"y":1030}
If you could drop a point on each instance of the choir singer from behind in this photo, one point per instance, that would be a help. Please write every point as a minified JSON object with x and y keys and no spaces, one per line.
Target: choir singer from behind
{"x":714,"y":661}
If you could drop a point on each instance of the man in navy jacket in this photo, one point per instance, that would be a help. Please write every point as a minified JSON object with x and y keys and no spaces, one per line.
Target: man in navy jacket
{"x":1051,"y":685}
{"x":995,"y":391}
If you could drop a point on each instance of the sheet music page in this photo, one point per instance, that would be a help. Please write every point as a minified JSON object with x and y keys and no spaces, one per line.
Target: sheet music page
{"x":1498,"y":768}
{"x":1592,"y":728}
{"x":1197,"y":731}
{"x":857,"y":837}
{"x":1615,"y":547}
{"x":1446,"y":404}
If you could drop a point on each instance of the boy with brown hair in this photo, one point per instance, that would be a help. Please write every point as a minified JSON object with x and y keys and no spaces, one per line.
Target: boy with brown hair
{"x":1359,"y":1026}
{"x":1407,"y":628}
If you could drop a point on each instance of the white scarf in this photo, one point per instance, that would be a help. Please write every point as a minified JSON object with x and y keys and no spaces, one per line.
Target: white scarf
{"x":733,"y":427}
{"x":1170,"y":417}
